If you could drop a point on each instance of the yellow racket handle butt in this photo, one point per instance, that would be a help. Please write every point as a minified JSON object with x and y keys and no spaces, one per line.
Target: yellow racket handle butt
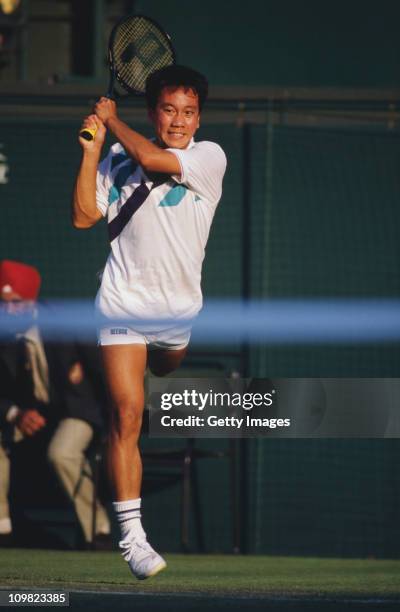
{"x":88,"y":133}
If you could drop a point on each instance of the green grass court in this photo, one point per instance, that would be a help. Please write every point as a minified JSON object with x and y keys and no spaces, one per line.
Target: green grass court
{"x":101,"y":581}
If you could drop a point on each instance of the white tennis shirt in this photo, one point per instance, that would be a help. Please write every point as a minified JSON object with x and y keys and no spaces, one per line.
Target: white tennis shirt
{"x":154,"y":268}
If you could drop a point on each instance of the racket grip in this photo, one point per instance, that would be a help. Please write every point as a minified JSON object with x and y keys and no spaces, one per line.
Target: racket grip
{"x":88,"y":133}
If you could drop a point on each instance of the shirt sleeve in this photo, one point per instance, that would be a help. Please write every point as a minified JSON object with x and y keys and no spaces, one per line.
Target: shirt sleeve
{"x":202,"y":169}
{"x":104,"y":183}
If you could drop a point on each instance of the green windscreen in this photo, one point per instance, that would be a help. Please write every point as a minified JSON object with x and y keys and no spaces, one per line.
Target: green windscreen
{"x":309,"y":210}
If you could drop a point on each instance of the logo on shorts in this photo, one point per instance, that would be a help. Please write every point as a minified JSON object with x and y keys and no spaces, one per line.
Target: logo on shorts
{"x":117,"y":331}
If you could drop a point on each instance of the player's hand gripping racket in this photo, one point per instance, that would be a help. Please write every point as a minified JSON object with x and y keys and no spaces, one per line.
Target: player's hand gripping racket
{"x":137,"y":47}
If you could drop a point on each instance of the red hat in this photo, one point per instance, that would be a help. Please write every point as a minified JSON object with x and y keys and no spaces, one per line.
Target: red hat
{"x":19,"y":278}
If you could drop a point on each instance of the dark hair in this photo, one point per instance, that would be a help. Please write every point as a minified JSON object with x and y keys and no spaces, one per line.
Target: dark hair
{"x":179,"y":76}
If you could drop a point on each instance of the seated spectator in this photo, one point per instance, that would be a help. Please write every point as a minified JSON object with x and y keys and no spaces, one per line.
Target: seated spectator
{"x":47,"y":385}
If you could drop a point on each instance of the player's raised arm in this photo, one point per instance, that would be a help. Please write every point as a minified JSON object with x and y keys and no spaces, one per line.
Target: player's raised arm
{"x":150,"y":156}
{"x":84,"y":209}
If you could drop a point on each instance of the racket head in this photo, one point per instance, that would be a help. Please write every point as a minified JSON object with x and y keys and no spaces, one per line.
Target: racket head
{"x":138,"y":46}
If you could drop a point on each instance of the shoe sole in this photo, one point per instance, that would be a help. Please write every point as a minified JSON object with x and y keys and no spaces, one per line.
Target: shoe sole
{"x":154,"y":571}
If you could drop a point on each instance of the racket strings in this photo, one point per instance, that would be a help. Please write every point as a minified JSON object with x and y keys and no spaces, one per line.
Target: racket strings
{"x":139,"y":48}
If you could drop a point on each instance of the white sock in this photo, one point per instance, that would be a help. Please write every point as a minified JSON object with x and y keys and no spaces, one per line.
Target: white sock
{"x":128,"y":516}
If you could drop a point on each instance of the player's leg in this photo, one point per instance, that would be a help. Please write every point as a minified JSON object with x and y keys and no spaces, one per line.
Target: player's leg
{"x":163,"y":361}
{"x":125,"y":366}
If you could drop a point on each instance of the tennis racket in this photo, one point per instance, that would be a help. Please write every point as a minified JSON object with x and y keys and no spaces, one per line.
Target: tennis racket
{"x":137,"y":47}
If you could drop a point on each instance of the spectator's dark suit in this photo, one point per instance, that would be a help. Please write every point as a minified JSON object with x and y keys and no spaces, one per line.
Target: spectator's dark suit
{"x":73,"y":415}
{"x":84,"y":400}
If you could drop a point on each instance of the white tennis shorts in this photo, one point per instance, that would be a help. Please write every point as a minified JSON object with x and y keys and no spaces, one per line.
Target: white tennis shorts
{"x":172,"y":339}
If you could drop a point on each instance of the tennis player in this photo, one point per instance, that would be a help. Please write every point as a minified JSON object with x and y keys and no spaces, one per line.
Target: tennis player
{"x":159,"y":198}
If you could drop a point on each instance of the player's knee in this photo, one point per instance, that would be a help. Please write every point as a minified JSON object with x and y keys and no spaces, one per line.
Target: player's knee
{"x":161,"y":370}
{"x":162,"y":363}
{"x":126,"y":420}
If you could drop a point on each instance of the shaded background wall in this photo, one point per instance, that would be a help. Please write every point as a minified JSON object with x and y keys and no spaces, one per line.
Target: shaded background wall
{"x":257,"y":43}
{"x":304,"y":102}
{"x":339,"y":44}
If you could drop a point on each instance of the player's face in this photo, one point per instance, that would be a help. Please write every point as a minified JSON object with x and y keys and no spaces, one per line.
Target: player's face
{"x":176,"y":117}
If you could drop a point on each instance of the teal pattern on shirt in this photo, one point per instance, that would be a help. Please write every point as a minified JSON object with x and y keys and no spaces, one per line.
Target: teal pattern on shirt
{"x":174,"y":196}
{"x":120,"y":180}
{"x":118,"y":159}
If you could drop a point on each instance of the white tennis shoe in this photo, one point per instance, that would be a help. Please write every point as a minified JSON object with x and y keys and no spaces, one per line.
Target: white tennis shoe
{"x":141,"y":558}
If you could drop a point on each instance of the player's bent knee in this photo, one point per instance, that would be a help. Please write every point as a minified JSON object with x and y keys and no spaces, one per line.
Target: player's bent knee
{"x":162,"y":363}
{"x":160,"y":371}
